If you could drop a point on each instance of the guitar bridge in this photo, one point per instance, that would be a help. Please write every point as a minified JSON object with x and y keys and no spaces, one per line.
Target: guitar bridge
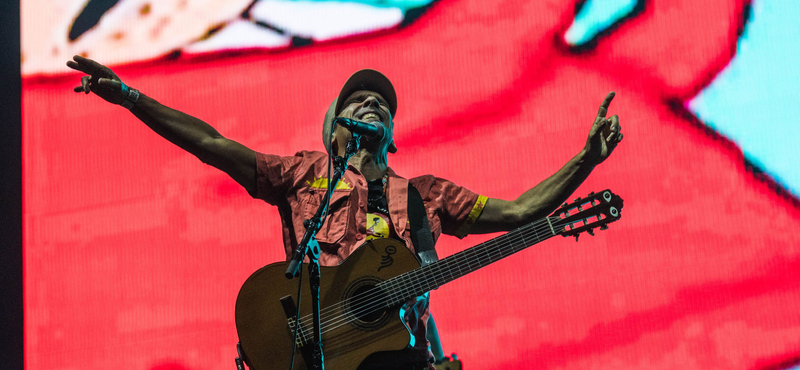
{"x":302,"y":338}
{"x":290,"y":310}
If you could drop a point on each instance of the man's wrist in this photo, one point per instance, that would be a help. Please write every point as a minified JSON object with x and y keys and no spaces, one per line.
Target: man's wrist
{"x":585,"y":160}
{"x":131,"y":96}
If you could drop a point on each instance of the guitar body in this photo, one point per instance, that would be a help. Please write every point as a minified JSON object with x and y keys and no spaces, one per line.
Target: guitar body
{"x":264,"y":321}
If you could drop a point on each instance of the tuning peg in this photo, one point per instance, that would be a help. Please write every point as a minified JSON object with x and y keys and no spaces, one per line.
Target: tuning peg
{"x":604,"y":227}
{"x":590,"y":231}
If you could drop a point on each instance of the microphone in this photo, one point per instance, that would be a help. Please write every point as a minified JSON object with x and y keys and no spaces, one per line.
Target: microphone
{"x":370,"y":130}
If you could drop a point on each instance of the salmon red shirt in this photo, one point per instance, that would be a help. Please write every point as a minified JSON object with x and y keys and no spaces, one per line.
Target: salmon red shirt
{"x":297,"y":184}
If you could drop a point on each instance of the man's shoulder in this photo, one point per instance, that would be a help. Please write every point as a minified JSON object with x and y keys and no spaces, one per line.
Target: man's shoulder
{"x":303,"y":155}
{"x":423,"y":178}
{"x":423,"y":183}
{"x":413,"y":180}
{"x":311,"y":154}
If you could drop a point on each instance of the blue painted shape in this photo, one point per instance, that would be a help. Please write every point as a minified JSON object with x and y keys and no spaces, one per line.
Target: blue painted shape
{"x":596,"y":16}
{"x":755,"y":100}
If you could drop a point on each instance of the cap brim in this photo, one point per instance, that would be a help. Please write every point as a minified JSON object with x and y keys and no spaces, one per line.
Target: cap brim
{"x":371,"y":80}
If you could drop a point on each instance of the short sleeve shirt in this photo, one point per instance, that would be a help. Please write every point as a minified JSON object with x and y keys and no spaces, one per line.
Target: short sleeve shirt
{"x":297,"y":184}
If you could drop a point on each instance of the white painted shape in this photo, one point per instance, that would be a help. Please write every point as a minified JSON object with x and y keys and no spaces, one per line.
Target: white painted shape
{"x":240,"y":34}
{"x":325,"y":20}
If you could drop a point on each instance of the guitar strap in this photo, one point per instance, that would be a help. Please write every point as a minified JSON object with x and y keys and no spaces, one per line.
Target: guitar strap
{"x":420,"y":229}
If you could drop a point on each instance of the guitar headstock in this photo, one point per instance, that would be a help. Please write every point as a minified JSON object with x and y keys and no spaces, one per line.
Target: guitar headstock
{"x":586,"y":214}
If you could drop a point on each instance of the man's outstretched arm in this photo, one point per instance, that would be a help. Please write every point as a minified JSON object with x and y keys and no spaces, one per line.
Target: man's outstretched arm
{"x":544,"y":198}
{"x":183,"y":130}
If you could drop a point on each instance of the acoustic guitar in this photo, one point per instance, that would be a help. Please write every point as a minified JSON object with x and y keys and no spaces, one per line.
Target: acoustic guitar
{"x":361,"y":299}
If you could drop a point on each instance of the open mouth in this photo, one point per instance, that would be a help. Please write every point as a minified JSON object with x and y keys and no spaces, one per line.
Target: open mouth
{"x":370,"y":117}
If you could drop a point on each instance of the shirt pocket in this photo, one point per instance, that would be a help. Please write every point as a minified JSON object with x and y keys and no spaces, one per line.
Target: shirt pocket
{"x":338,"y":220}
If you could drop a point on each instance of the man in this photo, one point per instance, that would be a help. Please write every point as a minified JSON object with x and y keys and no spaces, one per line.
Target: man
{"x":371,"y":201}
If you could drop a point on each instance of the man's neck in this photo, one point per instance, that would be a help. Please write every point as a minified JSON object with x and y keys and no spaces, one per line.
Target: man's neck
{"x":365,"y":163}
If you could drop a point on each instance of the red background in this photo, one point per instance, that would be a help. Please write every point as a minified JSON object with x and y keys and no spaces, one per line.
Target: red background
{"x":135,"y":250}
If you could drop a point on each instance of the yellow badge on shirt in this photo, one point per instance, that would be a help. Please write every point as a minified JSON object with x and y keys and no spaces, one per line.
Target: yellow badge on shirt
{"x":377,"y":226}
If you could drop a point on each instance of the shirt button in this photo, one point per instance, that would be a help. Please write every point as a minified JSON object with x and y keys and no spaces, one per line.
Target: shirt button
{"x":359,"y":236}
{"x":361,"y":203}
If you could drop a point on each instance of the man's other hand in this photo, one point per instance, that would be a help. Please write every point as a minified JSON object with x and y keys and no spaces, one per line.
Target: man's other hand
{"x":605,"y":134}
{"x":101,"y":80}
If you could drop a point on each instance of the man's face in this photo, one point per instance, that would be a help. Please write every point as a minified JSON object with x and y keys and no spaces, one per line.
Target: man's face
{"x":365,"y":106}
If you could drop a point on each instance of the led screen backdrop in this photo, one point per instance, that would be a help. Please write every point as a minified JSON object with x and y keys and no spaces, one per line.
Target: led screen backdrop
{"x":135,"y":251}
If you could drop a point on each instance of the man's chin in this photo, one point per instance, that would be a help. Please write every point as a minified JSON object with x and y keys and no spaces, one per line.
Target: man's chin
{"x":376,"y":149}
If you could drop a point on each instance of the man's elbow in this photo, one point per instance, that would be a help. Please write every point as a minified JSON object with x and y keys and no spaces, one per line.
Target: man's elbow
{"x":517,"y":216}
{"x":503,"y":215}
{"x":520,"y":213}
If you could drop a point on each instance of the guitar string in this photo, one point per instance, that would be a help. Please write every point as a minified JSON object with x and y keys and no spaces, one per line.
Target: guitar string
{"x":555,"y":222}
{"x":409,"y":289}
{"x":424,"y":276}
{"x":466,"y":257}
{"x":419,"y":284}
{"x":474,"y":249}
{"x":371,"y":297}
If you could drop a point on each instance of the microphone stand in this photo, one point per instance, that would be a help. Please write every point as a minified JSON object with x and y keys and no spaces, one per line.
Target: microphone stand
{"x":309,"y":247}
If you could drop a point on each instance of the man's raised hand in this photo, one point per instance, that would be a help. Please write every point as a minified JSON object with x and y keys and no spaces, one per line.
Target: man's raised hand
{"x":605,"y":134}
{"x":101,"y":80}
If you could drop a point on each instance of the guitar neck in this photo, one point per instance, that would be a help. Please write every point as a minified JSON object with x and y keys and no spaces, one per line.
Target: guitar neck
{"x":417,"y":282}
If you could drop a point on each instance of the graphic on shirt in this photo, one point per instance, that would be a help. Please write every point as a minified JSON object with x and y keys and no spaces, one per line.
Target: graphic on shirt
{"x":377,"y":226}
{"x":322,"y":183}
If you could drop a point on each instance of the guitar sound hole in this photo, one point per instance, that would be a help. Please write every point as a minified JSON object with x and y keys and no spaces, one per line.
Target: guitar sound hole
{"x":366,"y":309}
{"x":364,"y":304}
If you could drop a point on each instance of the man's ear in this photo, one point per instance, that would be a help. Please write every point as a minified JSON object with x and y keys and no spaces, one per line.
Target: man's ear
{"x":392,"y":147}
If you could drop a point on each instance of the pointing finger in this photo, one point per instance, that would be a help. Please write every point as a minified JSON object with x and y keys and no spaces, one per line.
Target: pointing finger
{"x":601,"y":113}
{"x":76,"y":66}
{"x":78,"y":63}
{"x":86,"y":65}
{"x":108,"y":84}
{"x":81,"y":67}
